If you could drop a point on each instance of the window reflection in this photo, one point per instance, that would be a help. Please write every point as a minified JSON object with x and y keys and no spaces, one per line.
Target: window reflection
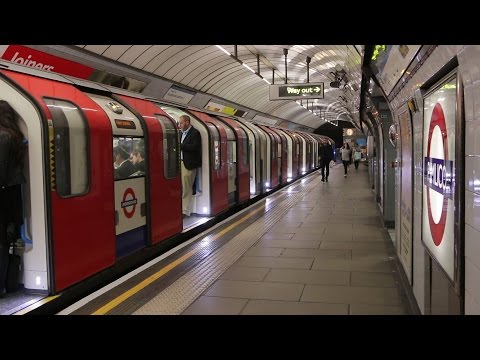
{"x":128,"y":157}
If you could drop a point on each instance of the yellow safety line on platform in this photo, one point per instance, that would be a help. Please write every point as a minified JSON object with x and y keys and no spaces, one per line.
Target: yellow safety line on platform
{"x":36,"y":305}
{"x":121,"y":298}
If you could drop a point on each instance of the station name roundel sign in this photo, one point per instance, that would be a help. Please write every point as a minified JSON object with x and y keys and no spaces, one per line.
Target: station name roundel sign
{"x":438,"y":174}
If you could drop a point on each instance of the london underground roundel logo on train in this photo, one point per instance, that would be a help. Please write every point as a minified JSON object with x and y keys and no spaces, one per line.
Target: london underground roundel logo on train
{"x":129,"y":202}
{"x":438,"y":174}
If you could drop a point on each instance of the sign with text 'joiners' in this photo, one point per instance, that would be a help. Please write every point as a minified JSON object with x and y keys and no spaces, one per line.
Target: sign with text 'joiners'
{"x":39,"y":60}
{"x":296,"y":91}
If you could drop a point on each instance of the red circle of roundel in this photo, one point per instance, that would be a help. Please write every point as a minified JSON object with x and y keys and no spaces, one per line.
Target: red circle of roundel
{"x":129,"y":214}
{"x":437,"y":119}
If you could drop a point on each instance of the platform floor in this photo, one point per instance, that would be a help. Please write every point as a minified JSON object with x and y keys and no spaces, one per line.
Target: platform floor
{"x":312,"y":248}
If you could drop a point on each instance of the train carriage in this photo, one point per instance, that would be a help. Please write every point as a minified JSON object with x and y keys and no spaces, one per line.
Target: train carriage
{"x":103,"y":174}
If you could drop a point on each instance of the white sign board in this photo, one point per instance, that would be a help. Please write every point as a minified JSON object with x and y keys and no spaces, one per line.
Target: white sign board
{"x":439,"y":175}
{"x":178,"y":95}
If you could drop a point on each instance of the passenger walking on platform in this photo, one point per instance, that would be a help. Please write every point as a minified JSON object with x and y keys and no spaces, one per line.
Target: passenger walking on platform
{"x":357,"y":155}
{"x":12,"y":150}
{"x":191,"y":155}
{"x":326,"y":155}
{"x":346,"y":157}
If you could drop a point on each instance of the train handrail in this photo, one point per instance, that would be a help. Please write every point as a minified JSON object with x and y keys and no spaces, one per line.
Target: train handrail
{"x":24,"y":236}
{"x":23,"y":227}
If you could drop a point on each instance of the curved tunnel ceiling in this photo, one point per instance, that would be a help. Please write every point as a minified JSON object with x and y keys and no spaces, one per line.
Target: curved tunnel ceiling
{"x":210,"y":69}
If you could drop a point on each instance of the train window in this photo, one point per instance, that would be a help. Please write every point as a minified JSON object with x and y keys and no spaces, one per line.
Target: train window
{"x":246,"y":146}
{"x":128,"y":157}
{"x":231,"y":146}
{"x":170,"y":146}
{"x":232,"y":152}
{"x":272,"y":145}
{"x":69,"y":139}
{"x":215,"y":149}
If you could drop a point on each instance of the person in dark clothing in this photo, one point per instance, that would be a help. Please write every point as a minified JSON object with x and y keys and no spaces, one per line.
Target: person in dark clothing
{"x":12,"y":150}
{"x":326,"y":155}
{"x":191,"y":155}
{"x":138,"y":156}
{"x":125,"y":167}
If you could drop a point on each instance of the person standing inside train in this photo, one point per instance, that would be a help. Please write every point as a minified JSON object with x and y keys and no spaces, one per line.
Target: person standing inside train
{"x":191,"y":156}
{"x":123,"y":167}
{"x":138,"y":156}
{"x":326,"y":155}
{"x":346,"y":157}
{"x":12,"y":150}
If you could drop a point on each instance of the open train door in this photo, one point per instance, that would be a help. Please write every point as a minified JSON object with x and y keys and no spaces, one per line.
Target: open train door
{"x":69,"y":227}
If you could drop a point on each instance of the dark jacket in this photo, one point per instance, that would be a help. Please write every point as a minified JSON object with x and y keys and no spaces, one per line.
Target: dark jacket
{"x":11,"y":173}
{"x":140,"y":166}
{"x":125,"y":170}
{"x":326,"y":153}
{"x":192,"y":149}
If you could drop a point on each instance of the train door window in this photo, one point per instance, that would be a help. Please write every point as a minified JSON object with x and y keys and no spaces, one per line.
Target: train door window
{"x":68,"y":134}
{"x":279,"y":154}
{"x":272,"y":145}
{"x":170,"y":146}
{"x":128,"y":157}
{"x":246,"y":146}
{"x":215,"y":146}
{"x":231,"y":146}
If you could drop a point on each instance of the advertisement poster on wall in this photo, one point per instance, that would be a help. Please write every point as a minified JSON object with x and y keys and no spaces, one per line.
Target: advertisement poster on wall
{"x":405,"y":247}
{"x":439,"y":175}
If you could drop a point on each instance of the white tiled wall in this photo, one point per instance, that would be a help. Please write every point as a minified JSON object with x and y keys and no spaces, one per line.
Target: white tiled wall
{"x":472,"y":274}
{"x":469,"y":66}
{"x":418,"y":249}
{"x":471,"y":304}
{"x":469,"y":62}
{"x":440,"y":56}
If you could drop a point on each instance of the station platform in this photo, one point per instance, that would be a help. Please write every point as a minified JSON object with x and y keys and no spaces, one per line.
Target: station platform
{"x":312,"y":248}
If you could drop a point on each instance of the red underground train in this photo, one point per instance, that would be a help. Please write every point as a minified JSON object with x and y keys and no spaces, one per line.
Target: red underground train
{"x":81,"y":219}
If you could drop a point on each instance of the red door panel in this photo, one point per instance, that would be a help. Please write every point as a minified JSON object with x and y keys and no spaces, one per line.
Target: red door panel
{"x":83,"y":230}
{"x":218,"y":178}
{"x":165,"y":194}
{"x":273,"y":156}
{"x":243,"y":168}
{"x":284,"y":156}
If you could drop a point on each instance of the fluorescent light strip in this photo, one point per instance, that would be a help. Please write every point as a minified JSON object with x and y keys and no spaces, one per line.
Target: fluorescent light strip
{"x":248,"y":67}
{"x":225,"y":51}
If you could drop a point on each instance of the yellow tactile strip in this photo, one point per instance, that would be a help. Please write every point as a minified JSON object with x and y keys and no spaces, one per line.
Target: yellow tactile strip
{"x":178,"y":296}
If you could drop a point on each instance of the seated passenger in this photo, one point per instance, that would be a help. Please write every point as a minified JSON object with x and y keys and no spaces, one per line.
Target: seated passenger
{"x":124,"y":168}
{"x":139,"y":159}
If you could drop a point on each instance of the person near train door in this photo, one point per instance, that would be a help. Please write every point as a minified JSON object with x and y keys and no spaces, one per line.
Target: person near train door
{"x":12,"y":150}
{"x":191,"y":156}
